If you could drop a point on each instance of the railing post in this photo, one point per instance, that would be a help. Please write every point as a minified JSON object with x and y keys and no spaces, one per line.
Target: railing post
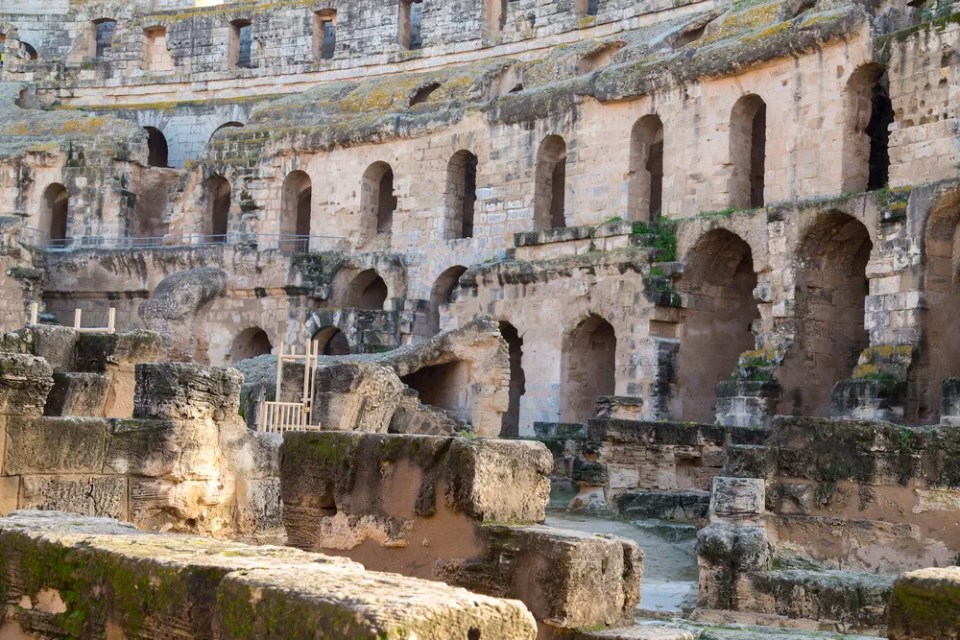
{"x":34,"y":312}
{"x":77,"y":314}
{"x":111,"y":320}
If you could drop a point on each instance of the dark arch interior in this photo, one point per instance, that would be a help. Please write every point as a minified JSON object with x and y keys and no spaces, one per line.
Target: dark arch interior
{"x":333,"y":342}
{"x":157,"y":144}
{"x":510,"y":424}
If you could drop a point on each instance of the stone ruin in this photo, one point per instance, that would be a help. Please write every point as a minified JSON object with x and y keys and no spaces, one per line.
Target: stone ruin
{"x":633,"y":319}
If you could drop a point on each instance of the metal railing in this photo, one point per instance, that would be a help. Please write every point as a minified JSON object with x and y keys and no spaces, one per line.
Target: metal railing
{"x":284,"y":242}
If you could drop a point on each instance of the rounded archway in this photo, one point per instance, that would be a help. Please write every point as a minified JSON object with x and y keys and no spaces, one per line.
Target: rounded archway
{"x":250,"y":343}
{"x":748,"y":152}
{"x":868,"y":116}
{"x":158,"y":150}
{"x":367,"y":290}
{"x":54,"y":212}
{"x":829,"y":300}
{"x":587,"y":368}
{"x":461,"y":194}
{"x":377,"y":200}
{"x":718,"y":315}
{"x":549,"y":206}
{"x":332,"y":341}
{"x":295,"y":211}
{"x":443,"y":292}
{"x":510,"y":423}
{"x":645,"y":189}
{"x":218,"y":194}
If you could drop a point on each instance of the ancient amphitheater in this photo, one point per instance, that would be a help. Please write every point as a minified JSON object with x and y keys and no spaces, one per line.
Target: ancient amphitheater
{"x":480,"y":319}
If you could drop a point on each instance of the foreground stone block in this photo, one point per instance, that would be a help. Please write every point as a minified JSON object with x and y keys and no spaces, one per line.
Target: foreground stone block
{"x":81,"y":577}
{"x":926,"y":605}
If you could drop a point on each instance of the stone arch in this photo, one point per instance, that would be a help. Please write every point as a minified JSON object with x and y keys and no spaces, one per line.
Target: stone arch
{"x":748,"y":141}
{"x":332,"y":341}
{"x":829,"y":299}
{"x":719,"y":312}
{"x":250,"y":343}
{"x":226,"y":125}
{"x":510,"y":422}
{"x":587,"y":368}
{"x":645,"y":190}
{"x":461,"y":196}
{"x":54,"y":213}
{"x":549,"y":206}
{"x":324,"y":34}
{"x":219,"y":197}
{"x":867,"y":118}
{"x":939,"y":356}
{"x":104,"y":30}
{"x":377,"y":200}
{"x":159,"y":152}
{"x":443,"y":292}
{"x":445,"y":386}
{"x":295,"y":210}
{"x":410,"y":24}
{"x":240,"y":45}
{"x":367,"y":290}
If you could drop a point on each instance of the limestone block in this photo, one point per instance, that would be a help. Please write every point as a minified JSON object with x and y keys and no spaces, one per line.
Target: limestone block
{"x":186,"y":391}
{"x":737,"y":499}
{"x":55,"y":445}
{"x":143,"y":448}
{"x":25,"y":381}
{"x":55,"y":344}
{"x":98,"y":351}
{"x":568,"y":579}
{"x":926,"y":605}
{"x":75,"y":576}
{"x":77,"y":394}
{"x":726,"y":553}
{"x":88,"y":495}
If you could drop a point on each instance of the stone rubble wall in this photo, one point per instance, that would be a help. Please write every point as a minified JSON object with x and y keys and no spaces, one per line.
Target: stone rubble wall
{"x":75,"y":576}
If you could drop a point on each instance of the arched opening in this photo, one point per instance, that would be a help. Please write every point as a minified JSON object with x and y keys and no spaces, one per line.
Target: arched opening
{"x":748,"y":152}
{"x":226,"y":125}
{"x":494,"y":17}
{"x":587,"y":368}
{"x":587,"y":7}
{"x":831,"y":288}
{"x":549,"y":207}
{"x":295,"y":211}
{"x":157,"y":145}
{"x":411,"y":20}
{"x":869,"y":114}
{"x":510,"y":425}
{"x":443,"y":292}
{"x":332,"y":341}
{"x":28,"y":50}
{"x":940,"y":355}
{"x":250,"y":343}
{"x":104,"y":31}
{"x":461,"y":194}
{"x":367,"y":291}
{"x":422,"y":94}
{"x":444,"y":386}
{"x":646,"y":169}
{"x":324,"y":34}
{"x":377,"y":200}
{"x":718,"y":316}
{"x":55,"y":209}
{"x":240,"y":47}
{"x":218,"y":195}
{"x":156,"y":56}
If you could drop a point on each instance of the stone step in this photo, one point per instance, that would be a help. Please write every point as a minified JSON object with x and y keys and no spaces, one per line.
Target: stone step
{"x":839,"y":599}
{"x":673,"y":506}
{"x":77,"y":394}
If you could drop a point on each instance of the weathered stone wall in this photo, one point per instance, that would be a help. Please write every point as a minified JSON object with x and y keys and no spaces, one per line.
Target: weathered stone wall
{"x":94,"y":577}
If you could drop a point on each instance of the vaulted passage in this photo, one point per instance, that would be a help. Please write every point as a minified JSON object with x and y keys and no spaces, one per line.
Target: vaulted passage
{"x":443,"y":293}
{"x":830,"y":293}
{"x":367,"y":291}
{"x":461,"y":194}
{"x":54,"y":211}
{"x":218,"y":195}
{"x":295,"y":212}
{"x":588,"y":368}
{"x":646,"y":169}
{"x":940,"y":356}
{"x":748,"y":142}
{"x":333,"y":342}
{"x":869,"y":114}
{"x":377,"y":201}
{"x":718,"y":316}
{"x":510,"y":425}
{"x":250,"y":343}
{"x":445,"y":386}
{"x":411,"y":20}
{"x":157,"y":145}
{"x":550,"y":188}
